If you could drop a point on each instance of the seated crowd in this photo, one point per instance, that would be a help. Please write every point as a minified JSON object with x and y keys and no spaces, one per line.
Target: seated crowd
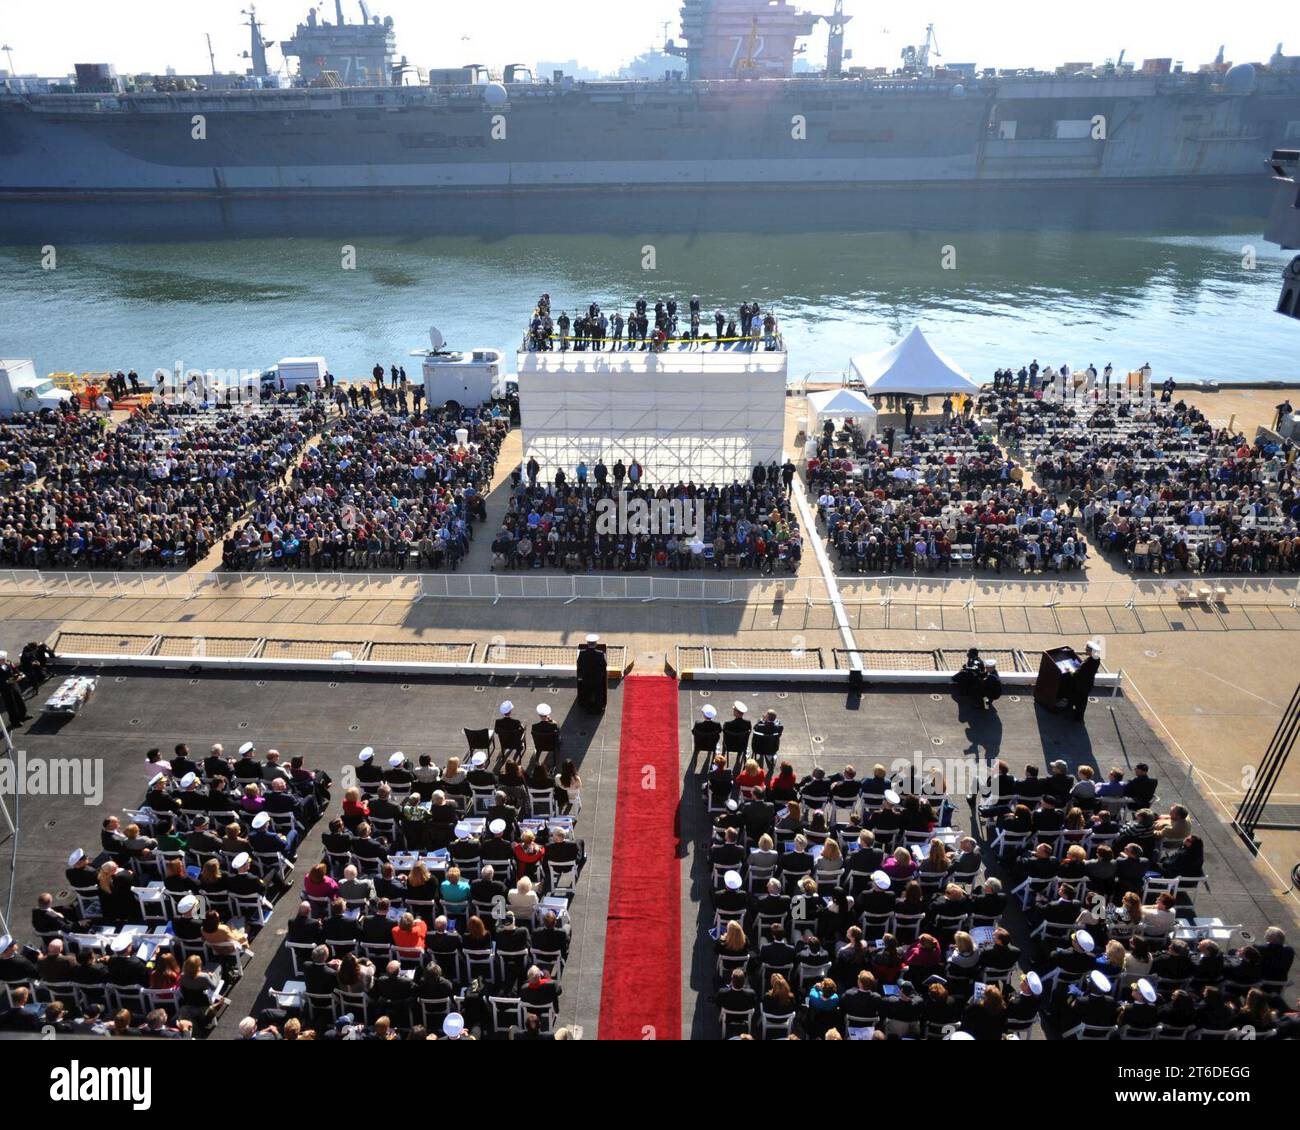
{"x":1157,"y":485}
{"x":165,"y":907}
{"x":563,"y":525}
{"x":31,"y":442}
{"x":159,"y":490}
{"x":441,"y":907}
{"x":927,"y":501}
{"x":848,"y":907}
{"x":378,"y":491}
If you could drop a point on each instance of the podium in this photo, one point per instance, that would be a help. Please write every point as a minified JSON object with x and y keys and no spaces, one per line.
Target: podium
{"x":1052,"y":683}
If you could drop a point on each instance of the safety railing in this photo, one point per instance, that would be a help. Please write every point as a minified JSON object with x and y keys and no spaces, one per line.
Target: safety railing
{"x":921,"y":591}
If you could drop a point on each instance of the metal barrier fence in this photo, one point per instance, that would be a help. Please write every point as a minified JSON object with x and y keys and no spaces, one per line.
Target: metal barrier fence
{"x":411,"y":586}
{"x":695,"y":657}
{"x":957,"y":592}
{"x":940,"y":659}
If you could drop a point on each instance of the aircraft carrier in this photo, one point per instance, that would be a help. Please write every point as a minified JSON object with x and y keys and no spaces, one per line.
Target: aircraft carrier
{"x":355,"y":120}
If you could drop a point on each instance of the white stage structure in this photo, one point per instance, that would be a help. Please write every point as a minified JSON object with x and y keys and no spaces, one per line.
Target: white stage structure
{"x":705,"y":415}
{"x":912,"y":367}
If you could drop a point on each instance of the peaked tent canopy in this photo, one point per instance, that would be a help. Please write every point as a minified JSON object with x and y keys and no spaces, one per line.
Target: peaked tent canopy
{"x":843,"y":403}
{"x":912,"y":367}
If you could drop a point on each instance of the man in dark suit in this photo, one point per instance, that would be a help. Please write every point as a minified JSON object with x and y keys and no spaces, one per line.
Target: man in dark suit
{"x":540,"y":991}
{"x":217,"y":764}
{"x":759,"y":814}
{"x":720,"y":780}
{"x":728,"y":854}
{"x":182,"y":762}
{"x":369,"y":851}
{"x":338,"y":927}
{"x":776,"y":952}
{"x":1140,"y":789}
{"x":55,"y":965}
{"x":487,"y":886}
{"x":395,"y":992}
{"x":48,"y":919}
{"x":737,"y":997}
{"x":112,"y":838}
{"x":318,"y":975}
{"x":549,"y":937}
{"x":303,"y":927}
{"x":766,"y":740}
{"x":201,"y":839}
{"x":377,"y":927}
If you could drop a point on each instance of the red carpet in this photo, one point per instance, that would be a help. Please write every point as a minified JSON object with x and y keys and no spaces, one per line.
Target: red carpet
{"x":642,"y":994}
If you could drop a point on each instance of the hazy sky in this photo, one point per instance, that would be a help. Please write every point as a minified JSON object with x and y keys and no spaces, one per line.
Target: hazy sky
{"x":49,"y":37}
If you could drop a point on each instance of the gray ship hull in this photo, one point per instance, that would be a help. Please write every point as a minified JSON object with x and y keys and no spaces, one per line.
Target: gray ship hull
{"x":363,"y":142}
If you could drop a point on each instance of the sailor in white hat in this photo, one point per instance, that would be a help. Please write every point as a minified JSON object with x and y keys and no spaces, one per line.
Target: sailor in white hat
{"x":505,"y":708}
{"x":369,"y":772}
{"x":736,"y":731}
{"x":592,"y":671}
{"x":187,"y":906}
{"x":396,"y":760}
{"x":453,"y":1026}
{"x":76,"y":857}
{"x":706,"y":733}
{"x":546,"y":734}
{"x":733,"y":880}
{"x":246,"y":749}
{"x":261,"y":820}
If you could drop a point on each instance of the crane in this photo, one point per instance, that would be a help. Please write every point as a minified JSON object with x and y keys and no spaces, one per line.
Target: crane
{"x":835,"y":40}
{"x":748,"y":63}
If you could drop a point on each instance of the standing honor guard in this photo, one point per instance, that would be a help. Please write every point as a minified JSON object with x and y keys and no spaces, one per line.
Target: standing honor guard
{"x":593,"y":688}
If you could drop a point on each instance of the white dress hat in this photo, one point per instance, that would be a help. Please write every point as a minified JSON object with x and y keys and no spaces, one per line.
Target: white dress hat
{"x":709,"y":712}
{"x":543,"y":709}
{"x":507,"y":706}
{"x":247,"y":747}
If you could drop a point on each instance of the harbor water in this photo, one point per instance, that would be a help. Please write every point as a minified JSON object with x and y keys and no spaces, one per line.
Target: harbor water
{"x":1182,"y":281}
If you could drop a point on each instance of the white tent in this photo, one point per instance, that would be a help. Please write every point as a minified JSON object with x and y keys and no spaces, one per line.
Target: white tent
{"x":842,"y":403}
{"x":912,"y":367}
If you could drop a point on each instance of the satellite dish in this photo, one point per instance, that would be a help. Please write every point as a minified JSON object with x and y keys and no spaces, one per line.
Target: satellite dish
{"x":436,"y":340}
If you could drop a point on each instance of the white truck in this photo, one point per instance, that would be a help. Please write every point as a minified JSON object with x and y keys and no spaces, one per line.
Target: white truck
{"x":21,"y":390}
{"x":290,"y":372}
